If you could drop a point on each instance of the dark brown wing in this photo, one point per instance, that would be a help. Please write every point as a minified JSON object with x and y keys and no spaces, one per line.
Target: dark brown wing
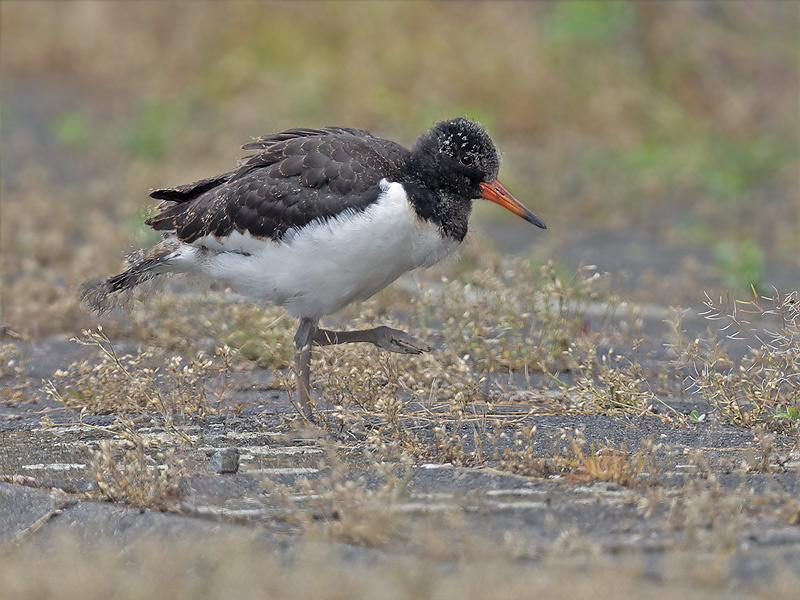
{"x":265,"y":141}
{"x":189,"y":191}
{"x":299,"y":176}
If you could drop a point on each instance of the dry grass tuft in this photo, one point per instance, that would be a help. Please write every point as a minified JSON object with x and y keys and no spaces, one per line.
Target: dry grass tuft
{"x":763,"y":386}
{"x":521,"y":457}
{"x":137,"y":478}
{"x":614,"y":384}
{"x":17,"y":387}
{"x":615,"y":465}
{"x":10,"y":360}
{"x":127,"y":382}
{"x":581,"y":461}
{"x":341,"y":506}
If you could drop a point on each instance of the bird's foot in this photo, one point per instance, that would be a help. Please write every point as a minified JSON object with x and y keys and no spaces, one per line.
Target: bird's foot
{"x":398,"y":341}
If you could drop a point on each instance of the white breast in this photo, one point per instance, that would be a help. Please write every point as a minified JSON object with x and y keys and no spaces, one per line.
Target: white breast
{"x":322,"y":267}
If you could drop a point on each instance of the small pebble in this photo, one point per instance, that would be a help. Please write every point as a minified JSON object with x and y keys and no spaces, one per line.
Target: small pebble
{"x":225,"y":461}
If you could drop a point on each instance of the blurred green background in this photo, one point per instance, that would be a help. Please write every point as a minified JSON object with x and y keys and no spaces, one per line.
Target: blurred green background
{"x":659,"y":140}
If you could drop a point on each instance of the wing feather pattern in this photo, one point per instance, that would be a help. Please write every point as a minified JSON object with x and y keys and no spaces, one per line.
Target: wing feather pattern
{"x":295,"y":177}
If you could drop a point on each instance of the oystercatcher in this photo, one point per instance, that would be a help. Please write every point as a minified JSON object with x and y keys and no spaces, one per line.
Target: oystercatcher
{"x":316,"y":219}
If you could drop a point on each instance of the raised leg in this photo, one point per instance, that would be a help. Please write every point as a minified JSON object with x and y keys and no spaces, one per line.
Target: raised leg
{"x":309,"y":334}
{"x":302,"y":363}
{"x":383,"y":337}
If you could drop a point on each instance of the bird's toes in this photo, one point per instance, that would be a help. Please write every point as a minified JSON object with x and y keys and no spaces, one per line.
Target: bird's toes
{"x":409,"y":345}
{"x":398,"y":341}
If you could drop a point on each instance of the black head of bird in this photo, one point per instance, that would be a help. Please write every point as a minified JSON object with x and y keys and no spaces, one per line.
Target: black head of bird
{"x":459,"y":159}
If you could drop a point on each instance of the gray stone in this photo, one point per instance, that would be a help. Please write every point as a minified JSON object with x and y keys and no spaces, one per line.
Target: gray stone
{"x":225,"y":460}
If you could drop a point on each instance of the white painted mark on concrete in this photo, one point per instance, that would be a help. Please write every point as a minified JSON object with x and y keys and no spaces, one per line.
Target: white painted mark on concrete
{"x":279,"y":451}
{"x":230,"y":512}
{"x":532,"y":505}
{"x":601,"y":489}
{"x":516,"y":492}
{"x":303,"y":497}
{"x":54,"y":467}
{"x":251,"y":435}
{"x":284,"y":470}
{"x":166,"y":437}
{"x":422,"y":507}
{"x":59,"y":430}
{"x":432,"y":496}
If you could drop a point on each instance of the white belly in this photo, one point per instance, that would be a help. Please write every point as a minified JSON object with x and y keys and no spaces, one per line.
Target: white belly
{"x":322,"y":267}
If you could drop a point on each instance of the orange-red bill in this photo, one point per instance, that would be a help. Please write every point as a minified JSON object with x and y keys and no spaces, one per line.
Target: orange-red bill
{"x":494,"y":191}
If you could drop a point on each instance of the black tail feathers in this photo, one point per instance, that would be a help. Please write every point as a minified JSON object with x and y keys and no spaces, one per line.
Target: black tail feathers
{"x":101,"y":295}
